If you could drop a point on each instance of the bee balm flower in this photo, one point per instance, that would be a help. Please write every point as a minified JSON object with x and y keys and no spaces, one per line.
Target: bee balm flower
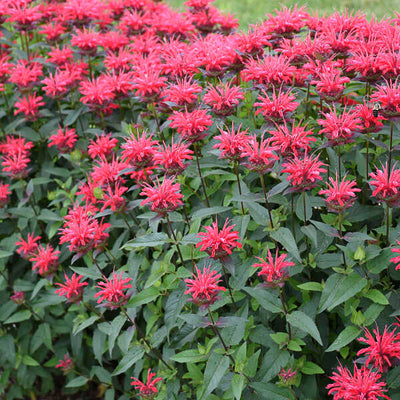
{"x":146,"y":390}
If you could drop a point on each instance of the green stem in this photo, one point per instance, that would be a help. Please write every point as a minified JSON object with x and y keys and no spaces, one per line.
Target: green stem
{"x":238,"y":181}
{"x":305,"y":236}
{"x":388,"y":223}
{"x":127,"y":224}
{"x":285,"y":311}
{"x":175,"y":239}
{"x":229,"y":287}
{"x":196,"y":153}
{"x":292,"y":215}
{"x":341,"y":240}
{"x":266,"y":201}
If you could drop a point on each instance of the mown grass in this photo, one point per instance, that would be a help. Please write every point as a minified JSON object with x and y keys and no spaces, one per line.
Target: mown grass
{"x":252,"y":11}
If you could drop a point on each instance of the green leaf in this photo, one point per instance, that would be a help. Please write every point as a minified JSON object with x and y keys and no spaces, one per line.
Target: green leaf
{"x":176,"y":300}
{"x":215,"y":370}
{"x":188,"y":356}
{"x":312,"y":286}
{"x":345,"y":337}
{"x":377,"y":297}
{"x":393,"y":378}
{"x":144,"y":297}
{"x":134,"y":355}
{"x":238,"y":386}
{"x":150,"y":240}
{"x":80,"y":327}
{"x":29,"y":361}
{"x":265,"y":299}
{"x":7,"y":347}
{"x":18,"y":317}
{"x":302,"y":321}
{"x":339,"y":288}
{"x":285,"y":237}
{"x":269,"y":391}
{"x":45,"y":334}
{"x":206,"y":212}
{"x":116,"y":326}
{"x":99,"y":340}
{"x":251,"y":366}
{"x":77,"y":382}
{"x":300,"y":207}
{"x":310,"y":368}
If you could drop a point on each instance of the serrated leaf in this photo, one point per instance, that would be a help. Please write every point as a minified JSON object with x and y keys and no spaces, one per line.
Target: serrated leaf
{"x":188,"y":356}
{"x":116,"y":326}
{"x":269,"y":391}
{"x":302,"y":321}
{"x":215,"y":370}
{"x":309,"y":368}
{"x":265,"y":299}
{"x":18,"y":317}
{"x":312,"y":286}
{"x":80,"y":327}
{"x":29,"y":361}
{"x":206,"y":212}
{"x":144,"y":297}
{"x":150,"y":240}
{"x":77,"y":382}
{"x":377,"y":297}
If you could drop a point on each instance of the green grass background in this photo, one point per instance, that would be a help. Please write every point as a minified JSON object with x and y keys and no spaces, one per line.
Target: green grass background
{"x":251,"y":11}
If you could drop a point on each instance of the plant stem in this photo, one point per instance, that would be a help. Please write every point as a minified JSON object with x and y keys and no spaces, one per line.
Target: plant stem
{"x":390,"y":149}
{"x":292,"y":212}
{"x":339,"y":162}
{"x":285,"y":311}
{"x":160,"y":132}
{"x":112,"y":256}
{"x":216,"y":330}
{"x":307,"y":99}
{"x":96,"y":264}
{"x":229,"y":287}
{"x":341,"y":239}
{"x":127,"y":224}
{"x":201,"y":176}
{"x":59,"y":112}
{"x":305,"y":236}
{"x":266,"y":200}
{"x":388,"y":223}
{"x":176,"y":240}
{"x":238,"y":181}
{"x":142,"y":335}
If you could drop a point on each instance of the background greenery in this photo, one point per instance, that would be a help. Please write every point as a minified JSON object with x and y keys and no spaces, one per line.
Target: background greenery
{"x":251,"y":11}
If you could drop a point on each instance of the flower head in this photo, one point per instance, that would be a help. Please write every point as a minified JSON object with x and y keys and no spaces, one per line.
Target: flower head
{"x":4,"y":194}
{"x":29,"y":106}
{"x":368,"y":121}
{"x":363,"y":384}
{"x":288,"y":376}
{"x":274,"y":271}
{"x":340,"y":195}
{"x":171,"y":158}
{"x":103,"y":147}
{"x":232,"y":143}
{"x":192,"y":126}
{"x":219,"y":243}
{"x":139,"y":149}
{"x":382,"y":349}
{"x":146,"y":390}
{"x":113,"y":291}
{"x":64,"y":139}
{"x":45,"y":260}
{"x":388,"y":96}
{"x":67,"y":365}
{"x":303,"y":172}
{"x":223,"y":98}
{"x":204,"y":287}
{"x":18,"y":297}
{"x":387,"y":186}
{"x":72,"y":289}
{"x":28,"y":248}
{"x":260,"y":155}
{"x":397,"y":258}
{"x":164,"y":197}
{"x":340,"y":128}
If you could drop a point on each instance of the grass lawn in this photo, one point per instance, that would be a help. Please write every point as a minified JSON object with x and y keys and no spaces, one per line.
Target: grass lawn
{"x":251,"y":11}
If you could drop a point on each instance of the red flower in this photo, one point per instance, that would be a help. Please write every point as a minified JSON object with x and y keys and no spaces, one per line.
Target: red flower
{"x":15,"y":165}
{"x":28,"y":248}
{"x":396,"y":260}
{"x":340,"y":129}
{"x":287,"y":21}
{"x":274,"y":271}
{"x":340,"y":195}
{"x":369,"y":122}
{"x":60,"y":56}
{"x":382,"y":349}
{"x":363,"y":384}
{"x":108,"y":172}
{"x":113,"y":198}
{"x":203,"y":287}
{"x":330,"y":84}
{"x":171,"y":158}
{"x":219,"y":244}
{"x":303,"y":173}
{"x":64,"y":140}
{"x":112,"y":291}
{"x":139,"y":150}
{"x":388,"y":97}
{"x":26,"y":74}
{"x":192,"y":126}
{"x":18,"y":297}
{"x":57,"y":86}
{"x":29,"y":105}
{"x":291,"y":142}
{"x":223,"y":98}
{"x":72,"y":289}
{"x":260,"y":155}
{"x":4,"y":194}
{"x":53,"y":31}
{"x":97,"y":94}
{"x":45,"y":260}
{"x":148,"y":82}
{"x":146,"y":390}
{"x":288,"y":377}
{"x":102,"y":147}
{"x":164,"y":197}
{"x":387,"y":188}
{"x":232,"y":144}
{"x":67,"y":365}
{"x":87,"y":40}
{"x":276,"y":108}
{"x":183,"y":93}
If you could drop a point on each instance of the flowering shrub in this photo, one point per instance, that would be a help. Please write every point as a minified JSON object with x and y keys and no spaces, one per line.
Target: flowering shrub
{"x":189,"y":211}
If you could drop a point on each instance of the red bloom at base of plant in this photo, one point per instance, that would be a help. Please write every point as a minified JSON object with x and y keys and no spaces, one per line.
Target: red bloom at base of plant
{"x":113,"y":291}
{"x":66,"y":365}
{"x":72,"y":290}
